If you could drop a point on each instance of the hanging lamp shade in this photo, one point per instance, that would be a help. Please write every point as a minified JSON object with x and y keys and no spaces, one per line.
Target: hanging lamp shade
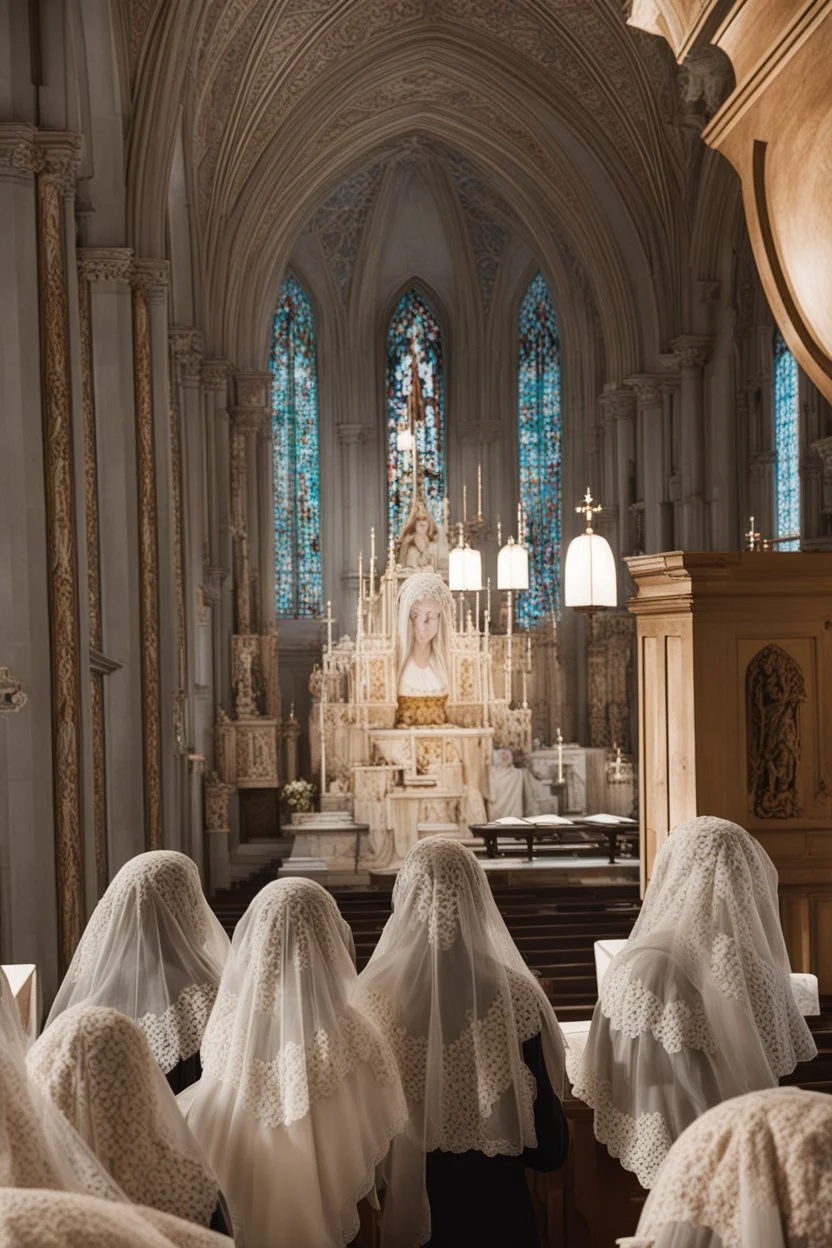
{"x":472,"y":569}
{"x":457,"y":569}
{"x":404,"y":440}
{"x":513,"y":567}
{"x":589,"y":574}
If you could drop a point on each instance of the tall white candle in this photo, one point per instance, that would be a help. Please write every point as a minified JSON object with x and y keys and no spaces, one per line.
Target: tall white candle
{"x":359,"y":622}
{"x":329,"y":627}
{"x":560,"y":757}
{"x":499,"y":532}
{"x":479,"y":491}
{"x":323,"y":738}
{"x":525,"y":702}
{"x":488,"y":601}
{"x":465,"y":504}
{"x":528,"y":652}
{"x":446,"y":514}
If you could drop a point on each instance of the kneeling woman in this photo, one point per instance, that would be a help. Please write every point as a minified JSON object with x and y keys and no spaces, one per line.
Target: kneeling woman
{"x":480,"y":1054}
{"x":300,"y":1096}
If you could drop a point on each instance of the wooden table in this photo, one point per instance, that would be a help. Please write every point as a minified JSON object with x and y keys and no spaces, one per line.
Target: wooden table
{"x":560,"y":833}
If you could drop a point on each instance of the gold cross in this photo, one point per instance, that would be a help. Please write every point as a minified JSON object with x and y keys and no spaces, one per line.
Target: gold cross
{"x":587,"y":509}
{"x":752,"y":537}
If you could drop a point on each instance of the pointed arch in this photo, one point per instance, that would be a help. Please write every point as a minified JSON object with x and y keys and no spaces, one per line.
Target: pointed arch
{"x":415,"y":320}
{"x":295,"y":449}
{"x":539,"y":448}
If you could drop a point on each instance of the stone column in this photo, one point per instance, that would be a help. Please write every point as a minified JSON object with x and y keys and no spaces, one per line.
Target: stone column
{"x":266,"y":503}
{"x":351,"y":437}
{"x":619,"y":408}
{"x":823,"y":449}
{"x":250,"y":414}
{"x":28,"y":925}
{"x":215,"y":378}
{"x":650,"y":456}
{"x":60,"y":155}
{"x":150,"y":277}
{"x":692,"y":352}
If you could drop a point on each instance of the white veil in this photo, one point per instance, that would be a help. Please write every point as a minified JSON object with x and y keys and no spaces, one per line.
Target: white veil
{"x":756,"y":1170}
{"x":38,"y":1148}
{"x":299,"y":1097}
{"x":95,"y":1066}
{"x":154,"y":950}
{"x":449,"y":988}
{"x":698,"y":1006}
{"x":44,"y":1219}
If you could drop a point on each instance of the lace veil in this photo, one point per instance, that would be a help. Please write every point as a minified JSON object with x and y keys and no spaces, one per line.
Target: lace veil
{"x":698,"y":1006}
{"x":153,"y":950}
{"x":41,"y":1219}
{"x":96,"y":1067}
{"x":299,"y":1096}
{"x":449,"y":988}
{"x":754,"y":1170}
{"x":38,"y":1148}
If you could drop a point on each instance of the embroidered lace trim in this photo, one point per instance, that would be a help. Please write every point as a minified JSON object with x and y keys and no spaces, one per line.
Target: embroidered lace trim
{"x":177,"y":1034}
{"x":281,"y":1091}
{"x":633,"y":1010}
{"x":476,"y":1070}
{"x":640,"y":1144}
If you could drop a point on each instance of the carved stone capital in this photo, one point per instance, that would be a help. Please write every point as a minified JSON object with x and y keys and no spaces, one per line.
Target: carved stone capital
{"x":618,"y":403}
{"x":19,"y":156}
{"x":105,"y":264}
{"x":692,"y":350}
{"x":253,"y":389}
{"x":186,"y":348}
{"x":216,"y":374}
{"x":151,"y":276}
{"x":349,"y":433}
{"x":249,"y":420}
{"x":213,"y":575}
{"x":60,"y":157}
{"x":823,"y":449}
{"x":647,"y":389}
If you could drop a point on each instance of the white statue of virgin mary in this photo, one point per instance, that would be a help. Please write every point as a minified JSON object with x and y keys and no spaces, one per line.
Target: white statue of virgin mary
{"x":425,"y":621}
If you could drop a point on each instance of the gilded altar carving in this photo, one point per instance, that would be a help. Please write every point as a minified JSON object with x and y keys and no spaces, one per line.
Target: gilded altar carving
{"x":256,"y":755}
{"x":12,"y":697}
{"x":217,"y":796}
{"x":56,"y":176}
{"x":774,"y":690}
{"x":149,"y":274}
{"x":247,"y":677}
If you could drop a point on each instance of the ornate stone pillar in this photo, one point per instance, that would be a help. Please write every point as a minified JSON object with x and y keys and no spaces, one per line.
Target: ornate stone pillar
{"x":250,"y":415}
{"x":215,"y":378}
{"x":150,"y":277}
{"x":619,"y":408}
{"x":59,"y":158}
{"x":351,"y":437}
{"x":693,"y":352}
{"x":651,"y":458}
{"x":266,"y":515}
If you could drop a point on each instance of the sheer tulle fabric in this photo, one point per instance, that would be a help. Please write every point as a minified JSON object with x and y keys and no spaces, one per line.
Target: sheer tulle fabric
{"x":154,"y":950}
{"x":96,"y":1067}
{"x":449,"y":989}
{"x":299,"y":1096}
{"x":38,"y":1148}
{"x":698,"y":1006}
{"x":753,"y":1171}
{"x":41,"y":1219}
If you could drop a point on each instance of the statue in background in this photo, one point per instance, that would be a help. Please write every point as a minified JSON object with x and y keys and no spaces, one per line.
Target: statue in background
{"x":424,"y":625}
{"x":423,"y":545}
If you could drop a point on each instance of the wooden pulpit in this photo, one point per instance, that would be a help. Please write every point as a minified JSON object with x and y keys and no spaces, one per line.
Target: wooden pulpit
{"x":735,"y":716}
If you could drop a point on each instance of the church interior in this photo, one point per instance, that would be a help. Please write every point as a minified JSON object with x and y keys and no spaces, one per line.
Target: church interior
{"x":416,"y":423}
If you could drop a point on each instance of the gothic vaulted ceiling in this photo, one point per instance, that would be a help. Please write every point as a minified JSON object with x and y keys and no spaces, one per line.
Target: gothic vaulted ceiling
{"x":550,"y":115}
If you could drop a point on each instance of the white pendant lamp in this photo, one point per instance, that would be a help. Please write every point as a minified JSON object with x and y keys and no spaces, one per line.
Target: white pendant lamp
{"x":472,"y":570}
{"x":589,"y":574}
{"x":513,"y":567}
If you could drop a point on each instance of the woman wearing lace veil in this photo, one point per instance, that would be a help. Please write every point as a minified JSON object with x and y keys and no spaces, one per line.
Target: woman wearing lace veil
{"x":95,"y":1066}
{"x":698,"y":1007}
{"x":480,"y":1054}
{"x":38,"y":1148}
{"x":154,"y":950}
{"x":299,"y":1097}
{"x":44,"y":1219}
{"x":756,"y":1170}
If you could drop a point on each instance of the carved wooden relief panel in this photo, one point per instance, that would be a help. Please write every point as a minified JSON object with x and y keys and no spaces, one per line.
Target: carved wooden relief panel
{"x":774,"y":689}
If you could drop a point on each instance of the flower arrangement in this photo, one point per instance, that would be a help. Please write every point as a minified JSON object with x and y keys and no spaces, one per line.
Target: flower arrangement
{"x":298,"y":795}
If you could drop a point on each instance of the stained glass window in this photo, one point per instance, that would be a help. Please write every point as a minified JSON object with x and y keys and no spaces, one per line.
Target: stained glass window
{"x":539,"y":433}
{"x":297,"y":498}
{"x":787,"y":445}
{"x":414,"y":320}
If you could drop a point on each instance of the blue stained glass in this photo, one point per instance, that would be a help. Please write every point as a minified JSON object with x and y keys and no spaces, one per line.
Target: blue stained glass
{"x":787,"y":444}
{"x":297,"y":496}
{"x":415,"y":320}
{"x":539,"y":434}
